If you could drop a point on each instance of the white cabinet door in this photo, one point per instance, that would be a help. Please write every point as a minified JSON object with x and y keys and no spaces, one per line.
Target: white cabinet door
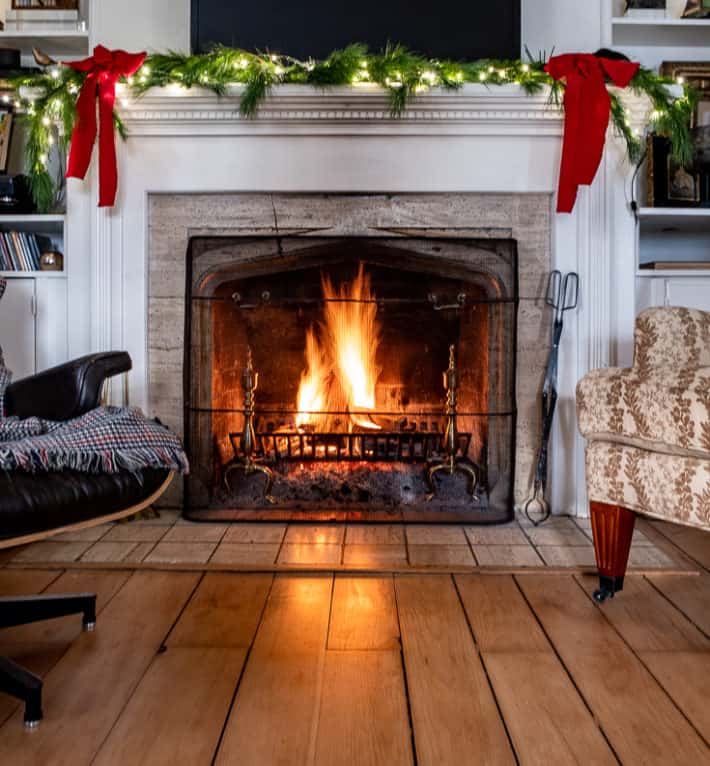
{"x":17,"y":326}
{"x":693,"y":293}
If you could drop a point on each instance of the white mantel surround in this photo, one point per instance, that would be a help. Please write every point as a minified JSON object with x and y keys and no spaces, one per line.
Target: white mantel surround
{"x":344,"y":140}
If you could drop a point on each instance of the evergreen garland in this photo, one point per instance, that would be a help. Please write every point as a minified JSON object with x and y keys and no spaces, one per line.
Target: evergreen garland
{"x":47,"y":100}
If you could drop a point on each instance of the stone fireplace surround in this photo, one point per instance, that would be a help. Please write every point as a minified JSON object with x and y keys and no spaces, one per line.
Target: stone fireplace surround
{"x":458,"y":161}
{"x":174,"y":218}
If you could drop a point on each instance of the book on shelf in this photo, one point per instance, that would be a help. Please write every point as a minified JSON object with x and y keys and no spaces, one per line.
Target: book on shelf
{"x":676,"y":265}
{"x":19,"y":251}
{"x":41,"y":20}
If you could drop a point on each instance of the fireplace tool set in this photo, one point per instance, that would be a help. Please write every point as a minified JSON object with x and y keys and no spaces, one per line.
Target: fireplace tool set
{"x":251,"y":447}
{"x":562,"y":295}
{"x":247,"y":439}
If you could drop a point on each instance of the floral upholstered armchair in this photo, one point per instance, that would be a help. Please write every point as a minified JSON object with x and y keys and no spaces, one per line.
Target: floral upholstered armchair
{"x":648,"y":436}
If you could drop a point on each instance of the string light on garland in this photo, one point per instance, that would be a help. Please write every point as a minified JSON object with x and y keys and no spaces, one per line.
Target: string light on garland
{"x":400,"y":72}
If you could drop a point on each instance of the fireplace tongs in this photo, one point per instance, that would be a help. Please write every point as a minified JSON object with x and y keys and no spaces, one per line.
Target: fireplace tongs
{"x":562,"y":295}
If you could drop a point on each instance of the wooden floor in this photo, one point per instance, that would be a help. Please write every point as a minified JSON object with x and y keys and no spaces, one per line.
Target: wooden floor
{"x":259,"y":669}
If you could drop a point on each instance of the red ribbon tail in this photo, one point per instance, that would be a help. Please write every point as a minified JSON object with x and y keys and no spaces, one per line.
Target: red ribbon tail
{"x":84,"y":133}
{"x":108,"y":170}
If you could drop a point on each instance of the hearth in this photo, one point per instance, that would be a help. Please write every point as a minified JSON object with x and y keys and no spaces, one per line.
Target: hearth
{"x":351,"y":377}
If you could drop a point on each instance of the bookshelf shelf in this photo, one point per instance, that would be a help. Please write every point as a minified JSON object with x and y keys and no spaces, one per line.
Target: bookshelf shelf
{"x":60,"y":43}
{"x":33,"y":274}
{"x":24,"y":237}
{"x":624,"y":21}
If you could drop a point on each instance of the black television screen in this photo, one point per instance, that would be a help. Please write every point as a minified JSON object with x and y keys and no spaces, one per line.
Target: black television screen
{"x":458,"y":29}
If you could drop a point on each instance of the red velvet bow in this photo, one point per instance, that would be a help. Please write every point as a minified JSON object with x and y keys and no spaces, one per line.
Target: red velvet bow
{"x":587,"y":106}
{"x":103,"y":70}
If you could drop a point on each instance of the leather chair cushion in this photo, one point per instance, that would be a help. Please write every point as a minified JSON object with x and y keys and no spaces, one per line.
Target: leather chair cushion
{"x":31,"y":503}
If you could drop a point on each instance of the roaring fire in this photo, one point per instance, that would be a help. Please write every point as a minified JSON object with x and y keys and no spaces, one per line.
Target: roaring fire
{"x":341,"y":372}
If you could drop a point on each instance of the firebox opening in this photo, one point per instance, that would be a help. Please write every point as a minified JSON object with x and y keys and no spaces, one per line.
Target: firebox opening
{"x":350,"y":340}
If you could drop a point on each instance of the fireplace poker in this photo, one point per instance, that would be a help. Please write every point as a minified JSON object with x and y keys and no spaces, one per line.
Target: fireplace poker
{"x":562,"y":295}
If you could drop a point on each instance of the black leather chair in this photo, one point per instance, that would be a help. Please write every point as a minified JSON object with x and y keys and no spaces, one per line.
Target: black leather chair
{"x":35,"y":506}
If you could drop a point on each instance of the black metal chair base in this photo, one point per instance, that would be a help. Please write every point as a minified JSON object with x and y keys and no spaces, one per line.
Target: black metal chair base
{"x":14,"y":679}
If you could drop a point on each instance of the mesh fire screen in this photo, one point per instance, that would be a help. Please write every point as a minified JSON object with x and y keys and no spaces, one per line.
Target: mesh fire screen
{"x":361,"y":378}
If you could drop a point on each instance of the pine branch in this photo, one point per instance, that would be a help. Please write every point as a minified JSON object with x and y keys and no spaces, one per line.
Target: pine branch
{"x":47,"y":100}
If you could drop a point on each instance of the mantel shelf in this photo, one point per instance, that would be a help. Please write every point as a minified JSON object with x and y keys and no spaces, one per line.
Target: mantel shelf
{"x":473,"y":109}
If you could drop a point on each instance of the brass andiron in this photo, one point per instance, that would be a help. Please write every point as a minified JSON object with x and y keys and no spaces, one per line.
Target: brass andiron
{"x":452,"y":463}
{"x":247,"y":442}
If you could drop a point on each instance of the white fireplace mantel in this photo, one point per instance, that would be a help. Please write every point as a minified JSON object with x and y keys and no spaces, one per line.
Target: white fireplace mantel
{"x":476,"y":139}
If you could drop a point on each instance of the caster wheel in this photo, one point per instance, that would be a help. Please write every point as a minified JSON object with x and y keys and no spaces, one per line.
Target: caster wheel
{"x":602,"y":594}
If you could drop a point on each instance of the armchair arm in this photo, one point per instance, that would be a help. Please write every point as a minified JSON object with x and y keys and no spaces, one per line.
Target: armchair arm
{"x":671,"y":337}
{"x":66,"y":391}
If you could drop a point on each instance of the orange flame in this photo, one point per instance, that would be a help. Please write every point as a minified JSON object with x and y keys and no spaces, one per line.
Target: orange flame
{"x":341,"y":372}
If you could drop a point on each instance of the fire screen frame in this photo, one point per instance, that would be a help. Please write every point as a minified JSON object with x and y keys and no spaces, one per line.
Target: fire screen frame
{"x":287,"y":250}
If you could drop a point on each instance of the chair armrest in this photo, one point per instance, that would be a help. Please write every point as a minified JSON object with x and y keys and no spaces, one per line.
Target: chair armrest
{"x":671,"y":337}
{"x":66,"y":391}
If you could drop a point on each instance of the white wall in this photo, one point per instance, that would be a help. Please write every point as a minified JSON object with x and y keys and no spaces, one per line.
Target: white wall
{"x":567,"y":26}
{"x":157,"y":25}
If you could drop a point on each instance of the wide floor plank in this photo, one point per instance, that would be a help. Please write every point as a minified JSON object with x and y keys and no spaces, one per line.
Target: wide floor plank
{"x":647,"y":621}
{"x":274,"y":717}
{"x":87,"y":689}
{"x":25,"y":582}
{"x":686,"y":677}
{"x":363,"y":717}
{"x":453,"y":709}
{"x":499,"y":616}
{"x":364,"y":614}
{"x":690,"y":594}
{"x":224,"y":611}
{"x":177,"y":712}
{"x":547,"y":719}
{"x":640,"y":721}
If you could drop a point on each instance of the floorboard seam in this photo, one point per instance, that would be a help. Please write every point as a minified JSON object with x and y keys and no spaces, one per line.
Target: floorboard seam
{"x":589,"y":708}
{"x":485,"y":669}
{"x":677,"y":547}
{"x":677,"y":607}
{"x":247,"y":656}
{"x":403,"y":662}
{"x":139,"y":680}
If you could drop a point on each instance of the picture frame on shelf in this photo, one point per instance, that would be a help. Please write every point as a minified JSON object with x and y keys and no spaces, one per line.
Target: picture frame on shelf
{"x":6,"y":122}
{"x":669,"y":184}
{"x":645,"y":9}
{"x":697,"y":74}
{"x":701,"y":140}
{"x":682,"y":185}
{"x":697,"y":9}
{"x":45,"y":5}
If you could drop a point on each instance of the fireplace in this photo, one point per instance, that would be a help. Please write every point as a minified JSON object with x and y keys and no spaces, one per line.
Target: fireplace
{"x":349,"y":377}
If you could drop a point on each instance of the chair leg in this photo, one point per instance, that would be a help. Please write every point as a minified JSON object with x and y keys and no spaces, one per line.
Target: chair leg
{"x":20,"y":683}
{"x":613,"y":528}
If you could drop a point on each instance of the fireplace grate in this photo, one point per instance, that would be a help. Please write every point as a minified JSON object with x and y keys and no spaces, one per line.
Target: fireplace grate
{"x":380,"y":447}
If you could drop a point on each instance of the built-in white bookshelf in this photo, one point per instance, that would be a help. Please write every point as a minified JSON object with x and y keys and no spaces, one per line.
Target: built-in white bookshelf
{"x":652,"y":40}
{"x":61,"y":43}
{"x":49,"y":226}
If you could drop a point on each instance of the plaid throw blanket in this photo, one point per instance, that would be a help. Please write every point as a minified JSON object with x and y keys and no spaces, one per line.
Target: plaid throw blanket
{"x":105,"y":440}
